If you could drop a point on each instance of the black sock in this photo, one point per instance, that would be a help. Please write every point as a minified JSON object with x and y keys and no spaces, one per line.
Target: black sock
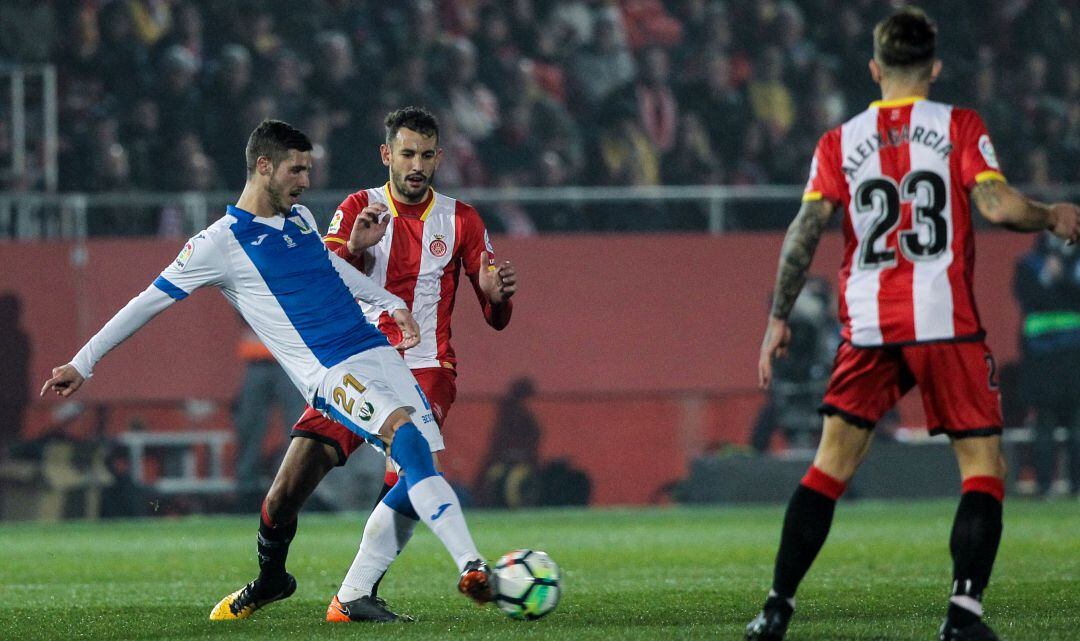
{"x":375,"y":587}
{"x":273,"y":550}
{"x":806,"y":525}
{"x":974,"y":543}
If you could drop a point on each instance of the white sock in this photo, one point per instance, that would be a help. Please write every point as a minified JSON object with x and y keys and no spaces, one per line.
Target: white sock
{"x":434,"y":500}
{"x":385,"y":535}
{"x":968,"y":603}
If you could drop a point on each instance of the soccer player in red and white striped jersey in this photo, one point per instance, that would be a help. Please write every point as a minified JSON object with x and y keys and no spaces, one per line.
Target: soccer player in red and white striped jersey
{"x":415,"y":242}
{"x":902,"y":174}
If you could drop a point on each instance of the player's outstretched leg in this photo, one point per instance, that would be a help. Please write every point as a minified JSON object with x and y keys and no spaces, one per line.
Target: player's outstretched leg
{"x":388,"y":529}
{"x":438,"y":507}
{"x":974,"y":542}
{"x":806,"y":526}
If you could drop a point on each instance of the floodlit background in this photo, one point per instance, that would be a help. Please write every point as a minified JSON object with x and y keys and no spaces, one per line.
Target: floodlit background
{"x":637,"y":160}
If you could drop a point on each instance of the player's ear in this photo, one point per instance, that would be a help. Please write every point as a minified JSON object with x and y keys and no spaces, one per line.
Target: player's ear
{"x":935,"y":70}
{"x":384,"y":153}
{"x":264,"y":166}
{"x":438,"y":156}
{"x":875,"y":71}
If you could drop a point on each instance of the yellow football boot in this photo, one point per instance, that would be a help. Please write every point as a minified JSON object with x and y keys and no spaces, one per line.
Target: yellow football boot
{"x":243,"y":603}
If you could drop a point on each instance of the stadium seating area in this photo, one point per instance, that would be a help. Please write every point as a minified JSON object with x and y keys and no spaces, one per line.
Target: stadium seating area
{"x":160,"y":94}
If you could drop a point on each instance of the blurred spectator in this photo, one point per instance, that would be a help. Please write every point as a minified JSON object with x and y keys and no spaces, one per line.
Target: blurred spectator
{"x":770,"y":98}
{"x":230,"y":90}
{"x":143,"y":133}
{"x":602,"y":66}
{"x":15,"y":351}
{"x":692,"y":161}
{"x":648,"y":23}
{"x":721,"y":106}
{"x":470,"y":103}
{"x":212,"y":67}
{"x":496,"y":52}
{"x":187,"y":32}
{"x":512,"y":149}
{"x":461,"y":165}
{"x":152,"y":19}
{"x":265,"y":386}
{"x":1047,"y":286}
{"x":27,"y":30}
{"x":178,"y":96}
{"x":513,"y":455}
{"x":627,"y":154}
{"x":122,"y":61}
{"x":288,"y":85}
{"x":656,"y":104}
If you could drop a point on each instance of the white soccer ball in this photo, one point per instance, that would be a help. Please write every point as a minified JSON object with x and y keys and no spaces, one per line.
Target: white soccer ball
{"x":526,"y":584}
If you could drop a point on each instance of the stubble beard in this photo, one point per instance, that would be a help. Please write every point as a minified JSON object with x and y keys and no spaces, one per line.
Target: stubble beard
{"x":408,"y":192}
{"x":277,"y":201}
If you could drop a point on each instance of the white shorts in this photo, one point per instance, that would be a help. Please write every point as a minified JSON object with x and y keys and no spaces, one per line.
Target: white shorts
{"x":361,"y":392}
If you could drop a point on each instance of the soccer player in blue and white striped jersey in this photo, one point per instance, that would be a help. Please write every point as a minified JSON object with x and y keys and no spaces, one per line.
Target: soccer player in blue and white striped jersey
{"x":268,"y":259}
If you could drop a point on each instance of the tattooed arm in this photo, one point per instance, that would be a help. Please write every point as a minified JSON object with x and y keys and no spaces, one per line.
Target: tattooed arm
{"x":1002,"y":205}
{"x":800,"y":243}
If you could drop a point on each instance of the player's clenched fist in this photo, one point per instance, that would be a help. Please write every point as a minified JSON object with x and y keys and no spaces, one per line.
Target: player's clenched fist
{"x":499,"y":282}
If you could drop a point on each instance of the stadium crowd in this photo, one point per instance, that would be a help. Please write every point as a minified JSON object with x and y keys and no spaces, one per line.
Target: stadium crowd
{"x":159,"y":94}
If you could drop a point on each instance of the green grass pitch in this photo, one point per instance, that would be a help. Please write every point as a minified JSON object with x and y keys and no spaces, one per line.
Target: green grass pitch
{"x":628,"y":574}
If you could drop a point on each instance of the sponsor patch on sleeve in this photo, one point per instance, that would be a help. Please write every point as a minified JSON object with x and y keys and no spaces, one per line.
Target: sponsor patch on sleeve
{"x":986,"y":148}
{"x":185,"y":254}
{"x":335,"y":222}
{"x":810,"y":181}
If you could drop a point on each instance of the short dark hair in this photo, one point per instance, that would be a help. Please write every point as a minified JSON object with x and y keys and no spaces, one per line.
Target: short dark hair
{"x":906,"y":40}
{"x":274,"y":138}
{"x":414,"y":118}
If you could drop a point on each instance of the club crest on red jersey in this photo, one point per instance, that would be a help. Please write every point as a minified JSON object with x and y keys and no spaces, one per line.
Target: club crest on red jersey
{"x":437,"y":247}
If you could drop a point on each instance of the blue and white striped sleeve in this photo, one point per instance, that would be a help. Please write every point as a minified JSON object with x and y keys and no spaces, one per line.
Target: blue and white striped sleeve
{"x":199,"y":263}
{"x":363,"y":287}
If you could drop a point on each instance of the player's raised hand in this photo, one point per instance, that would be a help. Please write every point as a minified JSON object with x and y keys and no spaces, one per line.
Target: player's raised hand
{"x":774,"y":345}
{"x":65,"y":381}
{"x":1066,"y":223}
{"x":410,"y":331}
{"x":368,"y":228}
{"x":499,"y":282}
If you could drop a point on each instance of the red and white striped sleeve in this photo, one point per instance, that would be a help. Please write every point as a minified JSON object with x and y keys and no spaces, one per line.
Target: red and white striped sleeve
{"x":826,"y":176}
{"x":978,"y":160}
{"x":337,"y":235}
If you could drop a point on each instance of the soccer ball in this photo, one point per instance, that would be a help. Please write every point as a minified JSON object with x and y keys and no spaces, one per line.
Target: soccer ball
{"x":526,"y":584}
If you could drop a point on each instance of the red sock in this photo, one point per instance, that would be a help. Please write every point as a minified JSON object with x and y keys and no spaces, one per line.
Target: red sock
{"x":991,"y":485}
{"x":824,"y":484}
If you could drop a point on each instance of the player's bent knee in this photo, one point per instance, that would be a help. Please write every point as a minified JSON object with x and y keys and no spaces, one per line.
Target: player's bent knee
{"x":412,"y":452}
{"x":390,"y":426}
{"x":279,"y":508}
{"x":842,"y":448}
{"x":980,"y":456}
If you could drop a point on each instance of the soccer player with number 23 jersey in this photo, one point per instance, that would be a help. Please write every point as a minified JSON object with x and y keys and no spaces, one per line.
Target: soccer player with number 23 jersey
{"x":902,"y":175}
